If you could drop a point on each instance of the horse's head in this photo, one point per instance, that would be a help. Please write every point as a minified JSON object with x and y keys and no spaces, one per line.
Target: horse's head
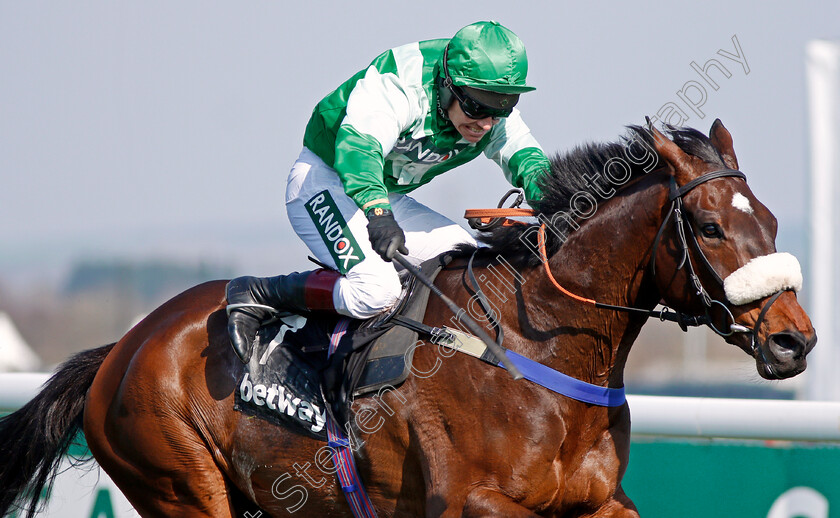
{"x":716,"y":255}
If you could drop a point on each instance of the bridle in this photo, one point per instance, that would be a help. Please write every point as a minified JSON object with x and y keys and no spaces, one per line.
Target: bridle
{"x":487,"y":218}
{"x":683,"y":228}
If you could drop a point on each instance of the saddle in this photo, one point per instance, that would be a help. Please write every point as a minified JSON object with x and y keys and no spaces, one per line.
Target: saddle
{"x":292,"y":380}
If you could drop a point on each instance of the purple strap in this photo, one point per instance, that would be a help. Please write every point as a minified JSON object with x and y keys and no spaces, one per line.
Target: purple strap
{"x":566,"y":385}
{"x":342,"y":454}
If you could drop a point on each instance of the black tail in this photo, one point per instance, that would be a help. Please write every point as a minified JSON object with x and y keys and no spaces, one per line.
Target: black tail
{"x":35,"y":438}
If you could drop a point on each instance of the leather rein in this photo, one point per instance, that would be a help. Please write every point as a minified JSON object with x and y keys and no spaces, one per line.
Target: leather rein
{"x":486,"y":219}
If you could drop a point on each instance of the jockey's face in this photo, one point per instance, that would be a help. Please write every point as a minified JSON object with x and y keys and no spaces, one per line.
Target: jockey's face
{"x":471,"y":129}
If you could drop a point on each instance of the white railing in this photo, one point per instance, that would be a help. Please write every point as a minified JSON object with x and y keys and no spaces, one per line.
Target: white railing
{"x":661,"y":416}
{"x":16,"y":388}
{"x":768,"y":419}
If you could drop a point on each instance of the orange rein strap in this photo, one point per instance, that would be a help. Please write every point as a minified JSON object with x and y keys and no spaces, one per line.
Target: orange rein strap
{"x":663,"y":315}
{"x":498,"y":213}
{"x":544,"y":257}
{"x":485,"y":216}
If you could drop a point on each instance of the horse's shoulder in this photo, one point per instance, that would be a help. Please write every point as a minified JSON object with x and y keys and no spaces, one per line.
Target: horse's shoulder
{"x":210,"y":292}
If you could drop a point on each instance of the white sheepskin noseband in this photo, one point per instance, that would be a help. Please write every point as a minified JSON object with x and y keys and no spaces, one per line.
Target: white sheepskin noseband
{"x":763,"y":276}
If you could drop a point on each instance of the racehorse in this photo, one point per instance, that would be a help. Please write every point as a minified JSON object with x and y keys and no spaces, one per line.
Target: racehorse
{"x":645,"y":220}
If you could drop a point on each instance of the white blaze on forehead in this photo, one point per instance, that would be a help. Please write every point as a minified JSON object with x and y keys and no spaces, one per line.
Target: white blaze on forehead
{"x":762,"y":277}
{"x":740,"y":202}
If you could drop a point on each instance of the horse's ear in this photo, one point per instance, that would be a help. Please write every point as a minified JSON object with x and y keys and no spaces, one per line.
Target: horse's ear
{"x":675,"y":157}
{"x":722,"y":141}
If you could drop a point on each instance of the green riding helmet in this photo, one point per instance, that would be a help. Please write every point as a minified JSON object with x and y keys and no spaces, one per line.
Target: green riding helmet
{"x":487,"y":62}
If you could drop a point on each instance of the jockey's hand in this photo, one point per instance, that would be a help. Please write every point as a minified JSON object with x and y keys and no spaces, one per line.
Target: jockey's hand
{"x":386,"y":236}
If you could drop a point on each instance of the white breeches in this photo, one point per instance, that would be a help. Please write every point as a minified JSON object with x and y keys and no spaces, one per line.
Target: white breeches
{"x":370,"y":284}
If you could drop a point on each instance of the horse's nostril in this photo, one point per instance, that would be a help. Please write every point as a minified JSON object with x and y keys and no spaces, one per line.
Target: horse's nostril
{"x":809,"y":345}
{"x":787,"y":346}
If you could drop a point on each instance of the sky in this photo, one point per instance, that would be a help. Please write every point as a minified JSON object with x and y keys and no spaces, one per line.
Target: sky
{"x":157,"y":129}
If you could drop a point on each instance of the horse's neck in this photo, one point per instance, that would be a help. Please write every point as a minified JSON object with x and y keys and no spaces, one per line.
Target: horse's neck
{"x":604,"y":260}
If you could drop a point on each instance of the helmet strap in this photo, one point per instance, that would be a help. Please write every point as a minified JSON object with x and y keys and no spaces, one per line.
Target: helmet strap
{"x":445,"y":95}
{"x":445,"y":98}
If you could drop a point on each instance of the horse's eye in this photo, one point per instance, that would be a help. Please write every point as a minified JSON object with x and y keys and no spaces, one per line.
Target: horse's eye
{"x":712,"y":230}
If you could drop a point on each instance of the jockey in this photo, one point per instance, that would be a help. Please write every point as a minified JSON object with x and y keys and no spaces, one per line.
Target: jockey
{"x":417,"y":111}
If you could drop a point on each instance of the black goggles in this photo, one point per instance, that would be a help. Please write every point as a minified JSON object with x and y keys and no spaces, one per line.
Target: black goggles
{"x":476,"y":110}
{"x":473,"y":108}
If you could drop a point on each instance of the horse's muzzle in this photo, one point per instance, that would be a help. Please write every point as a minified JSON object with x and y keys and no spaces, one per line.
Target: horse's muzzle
{"x":787,"y":354}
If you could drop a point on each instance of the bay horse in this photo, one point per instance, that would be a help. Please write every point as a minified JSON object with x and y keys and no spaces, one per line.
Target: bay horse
{"x":645,"y":220}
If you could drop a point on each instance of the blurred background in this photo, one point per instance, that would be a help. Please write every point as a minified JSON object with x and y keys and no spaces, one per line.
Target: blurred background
{"x":144,"y":147}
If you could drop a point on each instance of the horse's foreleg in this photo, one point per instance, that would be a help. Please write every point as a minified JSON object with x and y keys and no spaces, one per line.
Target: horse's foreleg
{"x":620,"y":506}
{"x":483,"y":502}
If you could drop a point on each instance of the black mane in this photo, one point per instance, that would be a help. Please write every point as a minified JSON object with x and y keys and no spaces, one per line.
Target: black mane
{"x":582,"y":173}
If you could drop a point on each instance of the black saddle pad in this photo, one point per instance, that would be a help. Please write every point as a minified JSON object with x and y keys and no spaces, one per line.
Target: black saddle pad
{"x":291,"y":381}
{"x":282,"y":383}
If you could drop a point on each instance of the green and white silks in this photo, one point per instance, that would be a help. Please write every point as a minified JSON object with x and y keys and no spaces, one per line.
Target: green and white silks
{"x":382,"y":133}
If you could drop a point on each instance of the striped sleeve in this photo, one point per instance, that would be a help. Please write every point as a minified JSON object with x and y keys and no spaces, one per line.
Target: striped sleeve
{"x":518,"y":153}
{"x":379,"y":108}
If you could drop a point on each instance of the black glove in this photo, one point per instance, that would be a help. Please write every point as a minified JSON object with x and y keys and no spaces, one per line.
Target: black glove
{"x":385,"y":234}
